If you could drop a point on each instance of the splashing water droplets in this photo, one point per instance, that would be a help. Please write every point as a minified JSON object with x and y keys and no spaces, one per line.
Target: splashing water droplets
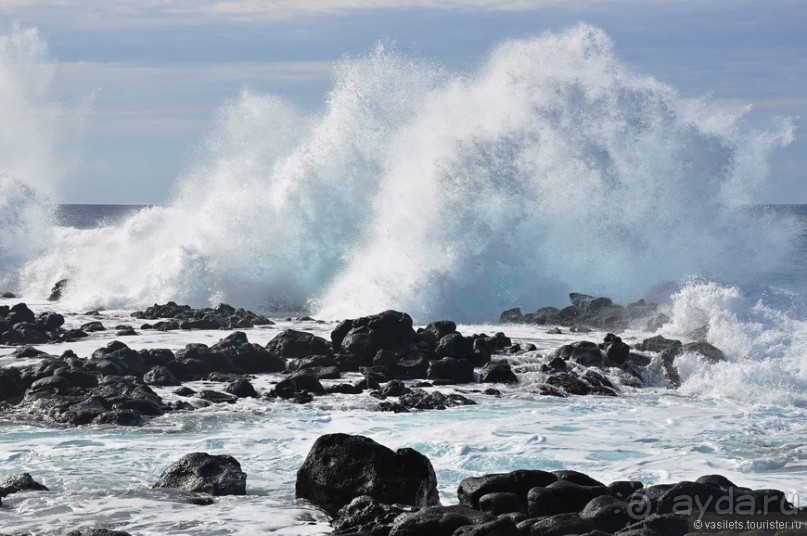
{"x":552,"y":167}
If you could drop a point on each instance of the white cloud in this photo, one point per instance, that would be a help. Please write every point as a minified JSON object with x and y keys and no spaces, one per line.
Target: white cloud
{"x":198,"y":11}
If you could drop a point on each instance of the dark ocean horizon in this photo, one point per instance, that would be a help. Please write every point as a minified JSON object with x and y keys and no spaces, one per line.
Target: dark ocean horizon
{"x":90,"y":216}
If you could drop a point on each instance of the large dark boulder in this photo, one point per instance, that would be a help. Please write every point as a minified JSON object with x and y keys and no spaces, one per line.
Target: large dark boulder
{"x":512,"y":316}
{"x":241,"y":388}
{"x":126,"y":360}
{"x":384,"y":331}
{"x":160,"y":376}
{"x":249,"y":357}
{"x":202,"y":472}
{"x":451,"y":369}
{"x":197,"y":360}
{"x":616,"y":351}
{"x":441,"y":328}
{"x":570,"y":383}
{"x":498,"y":372}
{"x":20,"y":313}
{"x":585,"y":353}
{"x":454,"y":345}
{"x":341,"y":467}
{"x":292,"y":344}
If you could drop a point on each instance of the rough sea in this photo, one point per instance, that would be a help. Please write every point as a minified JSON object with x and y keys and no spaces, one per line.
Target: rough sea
{"x":553,"y":167}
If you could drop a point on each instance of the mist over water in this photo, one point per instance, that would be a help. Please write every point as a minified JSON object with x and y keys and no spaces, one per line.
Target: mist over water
{"x":551,"y":167}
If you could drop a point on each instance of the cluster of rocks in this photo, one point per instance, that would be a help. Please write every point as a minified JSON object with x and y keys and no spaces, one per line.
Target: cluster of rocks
{"x":386,"y":350}
{"x":590,"y":312}
{"x":114,"y":385}
{"x":396,"y":363}
{"x":222,"y":316}
{"x":584,"y":367}
{"x":19,"y":325}
{"x":369,"y":490}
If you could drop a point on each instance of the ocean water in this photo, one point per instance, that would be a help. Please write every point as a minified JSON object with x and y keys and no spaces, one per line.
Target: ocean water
{"x":551,"y":167}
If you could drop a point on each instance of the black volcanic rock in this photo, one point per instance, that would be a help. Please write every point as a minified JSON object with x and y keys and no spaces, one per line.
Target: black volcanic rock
{"x":23,"y":482}
{"x":11,"y":384}
{"x":202,"y":472}
{"x":419,"y":399}
{"x":585,"y":353}
{"x":160,"y":376}
{"x":520,"y":482}
{"x":561,"y":497}
{"x":365,"y":515}
{"x":616,"y":351}
{"x":292,"y":344}
{"x":61,"y":394}
{"x":249,"y":357}
{"x":387,"y":330}
{"x":585,"y":311}
{"x":451,"y":369}
{"x":341,"y":467}
{"x":498,"y":372}
{"x":438,"y":521}
{"x":57,"y":290}
{"x":222,"y":316}
{"x":241,"y":388}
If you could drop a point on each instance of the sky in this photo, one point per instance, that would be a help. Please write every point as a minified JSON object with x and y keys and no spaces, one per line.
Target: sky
{"x":145,"y":78}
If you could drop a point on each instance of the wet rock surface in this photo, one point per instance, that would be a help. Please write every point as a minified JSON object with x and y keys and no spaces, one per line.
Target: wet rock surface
{"x":531,"y":502}
{"x":115,"y":385}
{"x":202,"y":472}
{"x":341,"y":467}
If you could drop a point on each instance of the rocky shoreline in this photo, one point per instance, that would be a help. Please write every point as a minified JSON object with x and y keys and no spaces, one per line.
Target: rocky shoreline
{"x":366,"y":489}
{"x":399,"y":365}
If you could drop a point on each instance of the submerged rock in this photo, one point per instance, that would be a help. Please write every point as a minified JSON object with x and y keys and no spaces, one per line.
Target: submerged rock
{"x":23,"y":482}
